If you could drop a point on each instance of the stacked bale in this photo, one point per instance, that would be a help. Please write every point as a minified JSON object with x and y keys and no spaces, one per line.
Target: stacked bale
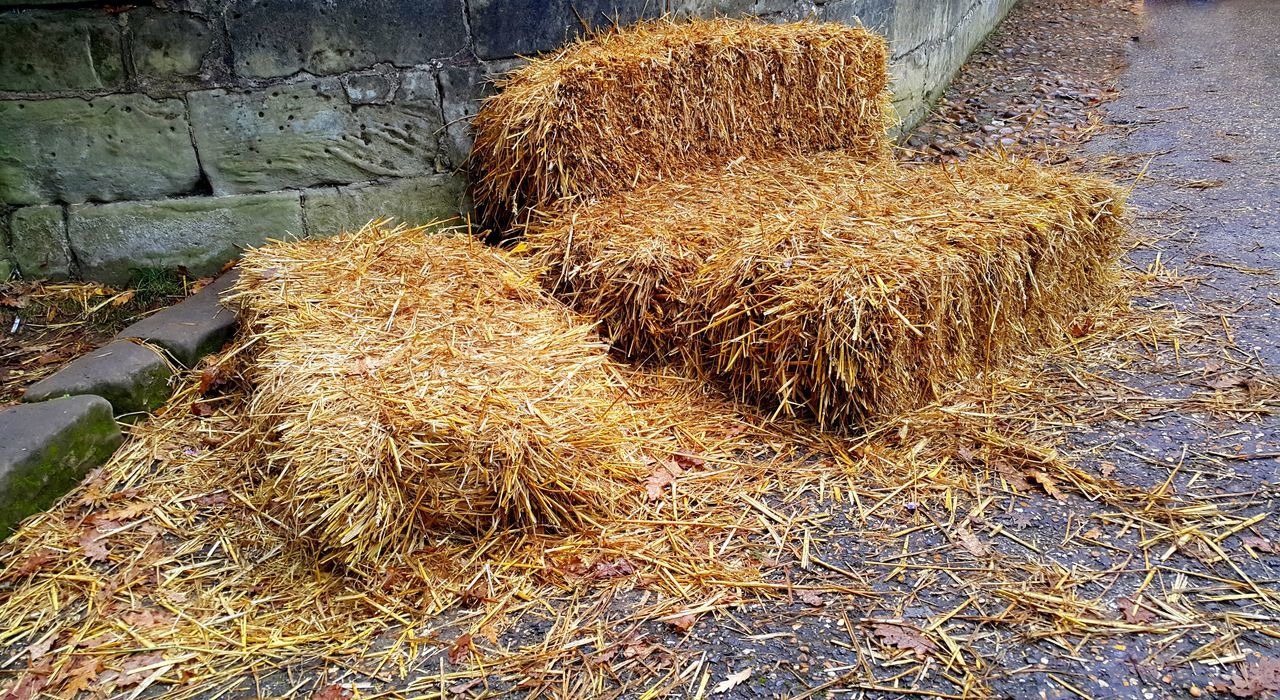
{"x":820,"y":286}
{"x":406,"y":383}
{"x":648,"y":102}
{"x":720,"y":194}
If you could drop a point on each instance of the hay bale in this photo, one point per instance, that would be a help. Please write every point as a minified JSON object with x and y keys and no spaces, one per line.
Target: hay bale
{"x":821,"y":286}
{"x":407,"y":384}
{"x":629,"y":107}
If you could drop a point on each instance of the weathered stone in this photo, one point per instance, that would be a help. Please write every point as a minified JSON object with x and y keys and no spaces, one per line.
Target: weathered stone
{"x":199,"y":233}
{"x":272,"y":39}
{"x":876,"y":15}
{"x":168,"y":45}
{"x":40,"y":243}
{"x":107,"y":148}
{"x":59,"y":50}
{"x":411,"y":200}
{"x":462,"y":88}
{"x":374,"y":87}
{"x":730,"y":8}
{"x":192,"y":328}
{"x":47,"y":448}
{"x":503,"y":28}
{"x":6,"y":269}
{"x":307,"y":134}
{"x":134,"y":378}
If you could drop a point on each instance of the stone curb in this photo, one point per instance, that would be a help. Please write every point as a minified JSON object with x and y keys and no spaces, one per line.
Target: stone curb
{"x":68,"y":427}
{"x":46,"y":448}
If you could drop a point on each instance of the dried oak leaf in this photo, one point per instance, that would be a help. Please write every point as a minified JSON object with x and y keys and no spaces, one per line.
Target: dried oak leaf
{"x":970,"y":541}
{"x":94,"y":544}
{"x":904,"y":637}
{"x":733,"y":681}
{"x":78,"y":677}
{"x":1259,"y":678}
{"x":1048,"y":484}
{"x":33,"y":563}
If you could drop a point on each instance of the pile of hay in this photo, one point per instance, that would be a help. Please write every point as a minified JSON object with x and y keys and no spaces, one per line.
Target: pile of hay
{"x":406,"y":383}
{"x":823,"y":287}
{"x":646,"y":103}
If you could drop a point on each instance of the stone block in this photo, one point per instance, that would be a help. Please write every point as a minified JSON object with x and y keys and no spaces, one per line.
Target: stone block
{"x":199,"y":233}
{"x":308,"y":134}
{"x":169,"y":45}
{"x":462,"y":88}
{"x":44,"y":51}
{"x":104,"y":149}
{"x":375,"y":87}
{"x":6,"y":269}
{"x":132,"y":377}
{"x":876,"y":15}
{"x":192,"y":328}
{"x":411,"y":200}
{"x":47,"y":448}
{"x":503,"y":28}
{"x":271,"y":39}
{"x":40,"y":243}
{"x":731,"y":8}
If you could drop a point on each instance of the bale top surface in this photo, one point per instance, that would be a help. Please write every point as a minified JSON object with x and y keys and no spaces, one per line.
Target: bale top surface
{"x":645,"y":103}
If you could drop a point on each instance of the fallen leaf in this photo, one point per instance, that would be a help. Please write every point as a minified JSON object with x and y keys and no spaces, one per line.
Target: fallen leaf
{"x":211,"y":378}
{"x":94,"y":544}
{"x":40,"y":648}
{"x":684,"y":623}
{"x":733,"y":681}
{"x":122,"y":298}
{"x":970,"y":541}
{"x":460,"y":688}
{"x":34,"y":562}
{"x":1134,"y":614}
{"x":332,"y":692}
{"x":1048,"y":484}
{"x":79,"y":676}
{"x":1229,"y":381}
{"x":657,"y":482}
{"x":147,"y":618}
{"x":613,"y":569}
{"x":201,"y":409}
{"x":687,"y":461}
{"x":460,"y":649}
{"x":1081,"y":327}
{"x":1261,"y":544}
{"x":811,"y":597}
{"x":1107,"y":469}
{"x":904,"y":637}
{"x":138,"y":667}
{"x":1260,"y":678}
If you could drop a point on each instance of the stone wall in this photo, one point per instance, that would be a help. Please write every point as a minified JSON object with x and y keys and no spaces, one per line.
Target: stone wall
{"x":175,"y":134}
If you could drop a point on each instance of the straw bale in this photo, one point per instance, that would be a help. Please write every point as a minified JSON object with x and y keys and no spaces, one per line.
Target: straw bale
{"x":406,"y":383}
{"x":820,"y":286}
{"x":629,"y":107}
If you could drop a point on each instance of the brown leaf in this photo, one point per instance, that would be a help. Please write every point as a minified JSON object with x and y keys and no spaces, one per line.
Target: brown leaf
{"x":811,"y":597}
{"x":331,"y":692}
{"x":904,"y":637}
{"x":1261,"y":544}
{"x":38,"y":650}
{"x":613,"y":569}
{"x":460,"y":649}
{"x":732,"y":681}
{"x":1259,"y":678}
{"x":201,"y":409}
{"x":970,"y":541}
{"x":684,"y":623}
{"x":147,"y":618}
{"x":33,"y":563}
{"x":94,"y":544}
{"x":1081,"y":327}
{"x":687,"y":461}
{"x":137,"y":668}
{"x":657,"y":482}
{"x":460,"y":688}
{"x":211,"y":378}
{"x":79,"y":676}
{"x":1107,"y":469}
{"x":1135,"y":614}
{"x":123,"y":298}
{"x":1048,"y":484}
